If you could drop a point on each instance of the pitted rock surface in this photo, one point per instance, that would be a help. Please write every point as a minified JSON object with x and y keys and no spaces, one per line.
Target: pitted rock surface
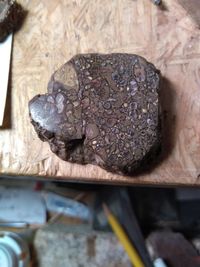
{"x":11,"y":17}
{"x":101,"y":109}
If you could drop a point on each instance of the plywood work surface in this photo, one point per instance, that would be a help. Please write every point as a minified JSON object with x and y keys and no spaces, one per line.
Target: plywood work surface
{"x":193,"y":9}
{"x":55,"y":30}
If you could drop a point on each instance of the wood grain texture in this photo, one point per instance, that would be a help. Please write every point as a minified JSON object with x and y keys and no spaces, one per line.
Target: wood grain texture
{"x":54,"y":31}
{"x":193,"y":9}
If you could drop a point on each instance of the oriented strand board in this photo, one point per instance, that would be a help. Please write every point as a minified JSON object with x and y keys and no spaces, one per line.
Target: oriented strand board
{"x":193,"y":9}
{"x":55,"y":30}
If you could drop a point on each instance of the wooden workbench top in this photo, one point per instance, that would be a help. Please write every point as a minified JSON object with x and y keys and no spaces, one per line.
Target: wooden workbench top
{"x":54,"y":31}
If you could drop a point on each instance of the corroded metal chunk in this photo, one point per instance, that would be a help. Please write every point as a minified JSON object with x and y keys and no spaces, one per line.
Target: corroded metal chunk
{"x":101,"y":109}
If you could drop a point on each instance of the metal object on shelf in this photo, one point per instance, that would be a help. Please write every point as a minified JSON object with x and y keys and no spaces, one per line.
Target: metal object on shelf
{"x":14,"y":224}
{"x":14,"y":251}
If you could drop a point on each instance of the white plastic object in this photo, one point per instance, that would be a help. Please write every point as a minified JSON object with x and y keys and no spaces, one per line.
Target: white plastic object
{"x":5,"y":55}
{"x":14,"y":251}
{"x":159,"y":263}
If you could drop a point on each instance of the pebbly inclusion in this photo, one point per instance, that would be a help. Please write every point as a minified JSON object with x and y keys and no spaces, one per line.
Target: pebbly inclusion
{"x":102,"y":109}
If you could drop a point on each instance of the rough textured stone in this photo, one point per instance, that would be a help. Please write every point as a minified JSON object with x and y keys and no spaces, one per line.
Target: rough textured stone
{"x":101,"y":109}
{"x":78,"y":248}
{"x":11,"y":17}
